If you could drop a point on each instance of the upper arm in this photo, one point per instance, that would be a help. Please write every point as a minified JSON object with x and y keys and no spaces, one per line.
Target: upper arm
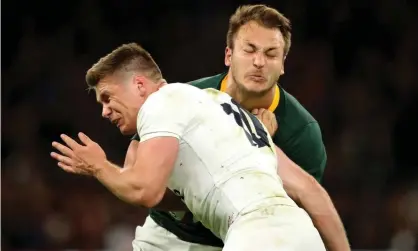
{"x":131,"y":154}
{"x":296,"y":181}
{"x":162,"y":122}
{"x":310,"y":153}
{"x":155,"y":160}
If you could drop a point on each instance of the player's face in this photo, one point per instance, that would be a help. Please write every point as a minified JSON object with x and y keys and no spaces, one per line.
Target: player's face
{"x":256,"y":62}
{"x":121,"y":100}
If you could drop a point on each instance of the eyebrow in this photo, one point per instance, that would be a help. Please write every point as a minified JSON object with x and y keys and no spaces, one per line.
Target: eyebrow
{"x":100,"y":95}
{"x":253,"y":46}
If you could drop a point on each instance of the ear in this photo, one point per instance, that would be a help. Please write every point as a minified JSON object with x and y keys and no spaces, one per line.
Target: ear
{"x":139,"y":82}
{"x":228,"y":55}
{"x":282,"y":71}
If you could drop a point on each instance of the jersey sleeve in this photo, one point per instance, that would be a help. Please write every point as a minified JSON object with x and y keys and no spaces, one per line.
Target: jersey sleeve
{"x":310,"y":154}
{"x":167,"y":112}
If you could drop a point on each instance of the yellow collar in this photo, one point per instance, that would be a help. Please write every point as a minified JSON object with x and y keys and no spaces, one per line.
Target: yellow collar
{"x":276,"y":98}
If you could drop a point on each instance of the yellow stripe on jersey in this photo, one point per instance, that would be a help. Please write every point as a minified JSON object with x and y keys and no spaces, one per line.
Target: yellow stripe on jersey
{"x":276,"y":98}
{"x":224,"y":84}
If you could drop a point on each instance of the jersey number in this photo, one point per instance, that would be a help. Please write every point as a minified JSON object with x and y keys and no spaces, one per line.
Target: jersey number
{"x":257,"y":136}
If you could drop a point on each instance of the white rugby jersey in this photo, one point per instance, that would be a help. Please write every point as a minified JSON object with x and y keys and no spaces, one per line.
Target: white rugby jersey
{"x":226,"y":162}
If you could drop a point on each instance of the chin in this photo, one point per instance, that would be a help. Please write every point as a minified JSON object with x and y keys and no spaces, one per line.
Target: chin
{"x":122,"y":130}
{"x":125,"y":131}
{"x":257,"y":88}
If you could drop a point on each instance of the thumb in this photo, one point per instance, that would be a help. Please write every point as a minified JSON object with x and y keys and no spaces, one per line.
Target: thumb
{"x":84,"y":138}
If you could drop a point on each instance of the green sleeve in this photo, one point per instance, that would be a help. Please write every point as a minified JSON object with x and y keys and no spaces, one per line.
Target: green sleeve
{"x":310,"y":153}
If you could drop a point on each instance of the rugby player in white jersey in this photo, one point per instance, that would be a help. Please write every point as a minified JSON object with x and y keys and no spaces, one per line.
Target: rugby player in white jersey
{"x":201,"y":145}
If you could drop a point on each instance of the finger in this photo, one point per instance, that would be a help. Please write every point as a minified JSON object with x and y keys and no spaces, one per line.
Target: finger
{"x":70,"y":142}
{"x":255,"y":111}
{"x":263,"y":115}
{"x":273,"y":120}
{"x":61,"y":158}
{"x":67,"y":168}
{"x":63,"y":149}
{"x":71,"y":169}
{"x":261,"y":110}
{"x":84,"y":138}
{"x":268,"y":115}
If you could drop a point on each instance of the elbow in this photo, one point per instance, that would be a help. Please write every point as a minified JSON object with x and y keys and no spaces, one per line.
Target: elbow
{"x":311,"y":188}
{"x":149,"y":197}
{"x":305,"y":186}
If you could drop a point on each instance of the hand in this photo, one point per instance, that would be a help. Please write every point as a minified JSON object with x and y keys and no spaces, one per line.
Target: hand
{"x":268,"y":119}
{"x":79,"y":159}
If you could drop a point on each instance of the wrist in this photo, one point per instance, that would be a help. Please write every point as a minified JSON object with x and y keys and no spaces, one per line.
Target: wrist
{"x":100,"y":168}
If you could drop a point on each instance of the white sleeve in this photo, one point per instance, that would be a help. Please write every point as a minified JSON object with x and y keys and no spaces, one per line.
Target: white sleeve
{"x":167,"y":112}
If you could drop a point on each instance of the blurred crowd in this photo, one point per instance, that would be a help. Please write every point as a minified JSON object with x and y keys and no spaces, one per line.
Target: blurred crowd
{"x":352,"y":64}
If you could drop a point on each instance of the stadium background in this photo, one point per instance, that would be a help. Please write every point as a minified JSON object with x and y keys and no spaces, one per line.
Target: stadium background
{"x":352,"y":64}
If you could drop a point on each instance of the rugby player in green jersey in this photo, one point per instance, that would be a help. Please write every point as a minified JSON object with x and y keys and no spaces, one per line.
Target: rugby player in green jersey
{"x":258,"y":42}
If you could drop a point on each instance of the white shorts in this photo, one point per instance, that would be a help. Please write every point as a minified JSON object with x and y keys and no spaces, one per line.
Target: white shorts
{"x":152,"y":237}
{"x":277,"y":228}
{"x":291,"y":230}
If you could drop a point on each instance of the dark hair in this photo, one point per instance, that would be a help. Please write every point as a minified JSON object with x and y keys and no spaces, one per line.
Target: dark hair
{"x":127,"y":57}
{"x":263,"y":15}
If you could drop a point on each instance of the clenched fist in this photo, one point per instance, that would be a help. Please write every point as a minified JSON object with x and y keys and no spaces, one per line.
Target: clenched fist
{"x":267,"y":118}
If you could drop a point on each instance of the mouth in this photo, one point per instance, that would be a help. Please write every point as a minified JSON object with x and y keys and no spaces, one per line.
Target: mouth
{"x":257,"y":77}
{"x":116,"y":122}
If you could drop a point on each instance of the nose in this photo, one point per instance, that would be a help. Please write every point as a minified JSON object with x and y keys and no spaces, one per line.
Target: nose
{"x":106,"y":112}
{"x":259,"y":59}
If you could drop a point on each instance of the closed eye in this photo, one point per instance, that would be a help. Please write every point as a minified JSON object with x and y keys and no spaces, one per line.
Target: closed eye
{"x":103,"y":98}
{"x":250,"y":48}
{"x":272,"y":52}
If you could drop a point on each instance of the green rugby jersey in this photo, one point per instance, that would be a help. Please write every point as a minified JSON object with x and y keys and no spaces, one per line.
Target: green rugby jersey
{"x":298,"y":135}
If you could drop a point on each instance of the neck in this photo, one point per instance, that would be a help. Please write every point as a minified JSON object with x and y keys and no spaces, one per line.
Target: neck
{"x":160,"y":83}
{"x":248,"y":100}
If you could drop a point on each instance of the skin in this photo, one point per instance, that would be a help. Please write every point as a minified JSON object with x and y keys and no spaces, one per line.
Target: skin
{"x":144,"y":182}
{"x":255,"y":65}
{"x":122,"y":95}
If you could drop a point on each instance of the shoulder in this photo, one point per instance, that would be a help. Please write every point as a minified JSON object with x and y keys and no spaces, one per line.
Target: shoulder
{"x":292,"y":113}
{"x":168,"y":110}
{"x":300,"y":136}
{"x":208,"y":82}
{"x":173,"y":96}
{"x":174,"y":91}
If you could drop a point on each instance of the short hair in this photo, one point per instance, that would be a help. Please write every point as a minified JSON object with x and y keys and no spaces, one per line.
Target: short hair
{"x":127,"y":57}
{"x":263,"y":15}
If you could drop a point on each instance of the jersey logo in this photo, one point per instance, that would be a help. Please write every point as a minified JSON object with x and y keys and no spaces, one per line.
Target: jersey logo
{"x":254,"y":130}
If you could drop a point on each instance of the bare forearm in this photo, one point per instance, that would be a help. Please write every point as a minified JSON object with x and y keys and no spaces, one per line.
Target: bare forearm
{"x":325,"y":218}
{"x":311,"y":196}
{"x":121,"y":183}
